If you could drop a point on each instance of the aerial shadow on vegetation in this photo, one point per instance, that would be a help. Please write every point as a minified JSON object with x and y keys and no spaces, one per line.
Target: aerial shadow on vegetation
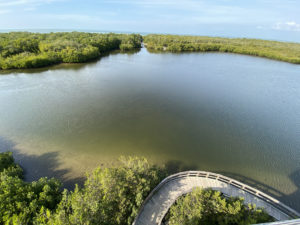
{"x":37,"y":166}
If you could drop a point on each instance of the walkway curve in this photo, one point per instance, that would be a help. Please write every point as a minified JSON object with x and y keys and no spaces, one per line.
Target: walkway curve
{"x":157,"y":204}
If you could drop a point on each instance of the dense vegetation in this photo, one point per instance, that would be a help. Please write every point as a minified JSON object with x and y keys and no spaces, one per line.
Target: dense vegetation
{"x":109,"y":196}
{"x":31,"y":50}
{"x":21,"y":202}
{"x":289,"y":52}
{"x":208,"y":207}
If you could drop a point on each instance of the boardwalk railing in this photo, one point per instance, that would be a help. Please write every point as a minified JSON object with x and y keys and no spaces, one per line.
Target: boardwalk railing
{"x":270,"y":200}
{"x":286,"y":222}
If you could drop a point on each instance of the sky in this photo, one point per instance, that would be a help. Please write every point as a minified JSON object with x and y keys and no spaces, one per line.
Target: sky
{"x":264,"y":19}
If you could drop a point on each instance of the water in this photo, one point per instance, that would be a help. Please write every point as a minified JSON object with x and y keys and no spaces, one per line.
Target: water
{"x":232,"y":114}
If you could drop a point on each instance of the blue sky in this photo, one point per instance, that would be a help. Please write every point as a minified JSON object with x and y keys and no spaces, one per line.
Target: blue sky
{"x":267,"y":19}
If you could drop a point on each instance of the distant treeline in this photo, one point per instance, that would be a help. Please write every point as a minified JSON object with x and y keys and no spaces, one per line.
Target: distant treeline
{"x":283,"y":51}
{"x":31,"y":50}
{"x":20,"y":50}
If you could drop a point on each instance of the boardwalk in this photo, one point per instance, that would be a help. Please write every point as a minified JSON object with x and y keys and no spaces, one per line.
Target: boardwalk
{"x":287,"y":222}
{"x":164,"y":195}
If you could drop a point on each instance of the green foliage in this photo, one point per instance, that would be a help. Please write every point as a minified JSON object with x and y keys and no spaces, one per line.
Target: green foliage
{"x":131,"y":42}
{"x":28,"y":60}
{"x":284,"y":51}
{"x":6,"y":160}
{"x":21,"y":202}
{"x":110,"y":195}
{"x":208,"y":207}
{"x":8,"y":166}
{"x":31,"y":50}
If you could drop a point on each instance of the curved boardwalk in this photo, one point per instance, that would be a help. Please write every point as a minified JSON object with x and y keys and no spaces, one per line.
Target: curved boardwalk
{"x":165,"y":194}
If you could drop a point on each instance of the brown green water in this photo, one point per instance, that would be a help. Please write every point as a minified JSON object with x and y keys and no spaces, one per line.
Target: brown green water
{"x":231,"y":114}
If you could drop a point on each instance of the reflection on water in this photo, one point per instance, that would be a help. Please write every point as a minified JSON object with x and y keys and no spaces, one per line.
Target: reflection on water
{"x":233,"y":114}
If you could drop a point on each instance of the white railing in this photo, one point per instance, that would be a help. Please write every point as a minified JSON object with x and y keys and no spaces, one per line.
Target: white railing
{"x":286,"y":222}
{"x":270,"y":200}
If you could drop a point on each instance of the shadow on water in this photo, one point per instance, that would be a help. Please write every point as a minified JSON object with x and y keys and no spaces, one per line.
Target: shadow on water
{"x":295,"y":177}
{"x":47,"y":164}
{"x":128,"y":122}
{"x":288,"y":199}
{"x":37,"y":166}
{"x":176,"y":166}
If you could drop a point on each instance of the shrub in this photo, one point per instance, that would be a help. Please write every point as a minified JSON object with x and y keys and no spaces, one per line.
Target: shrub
{"x":208,"y":207}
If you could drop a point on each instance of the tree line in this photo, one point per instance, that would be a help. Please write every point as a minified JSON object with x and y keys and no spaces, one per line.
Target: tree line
{"x":20,"y":50}
{"x":283,"y":51}
{"x":110,"y":196}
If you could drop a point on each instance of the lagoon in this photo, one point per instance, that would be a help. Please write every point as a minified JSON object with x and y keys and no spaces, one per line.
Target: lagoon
{"x":227,"y":113}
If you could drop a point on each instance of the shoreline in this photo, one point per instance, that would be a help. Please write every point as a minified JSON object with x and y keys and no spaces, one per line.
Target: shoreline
{"x":75,"y":48}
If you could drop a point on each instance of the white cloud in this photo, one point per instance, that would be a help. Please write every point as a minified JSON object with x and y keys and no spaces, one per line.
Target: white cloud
{"x":5,"y":3}
{"x":12,"y":5}
{"x":29,"y":8}
{"x":71,"y":17}
{"x":201,"y":11}
{"x":4,"y":11}
{"x":290,"y":25}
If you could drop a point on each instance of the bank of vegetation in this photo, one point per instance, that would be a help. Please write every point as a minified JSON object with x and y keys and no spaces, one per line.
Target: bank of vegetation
{"x":209,"y":207}
{"x":283,"y":51}
{"x":110,"y":196}
{"x":20,"y":50}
